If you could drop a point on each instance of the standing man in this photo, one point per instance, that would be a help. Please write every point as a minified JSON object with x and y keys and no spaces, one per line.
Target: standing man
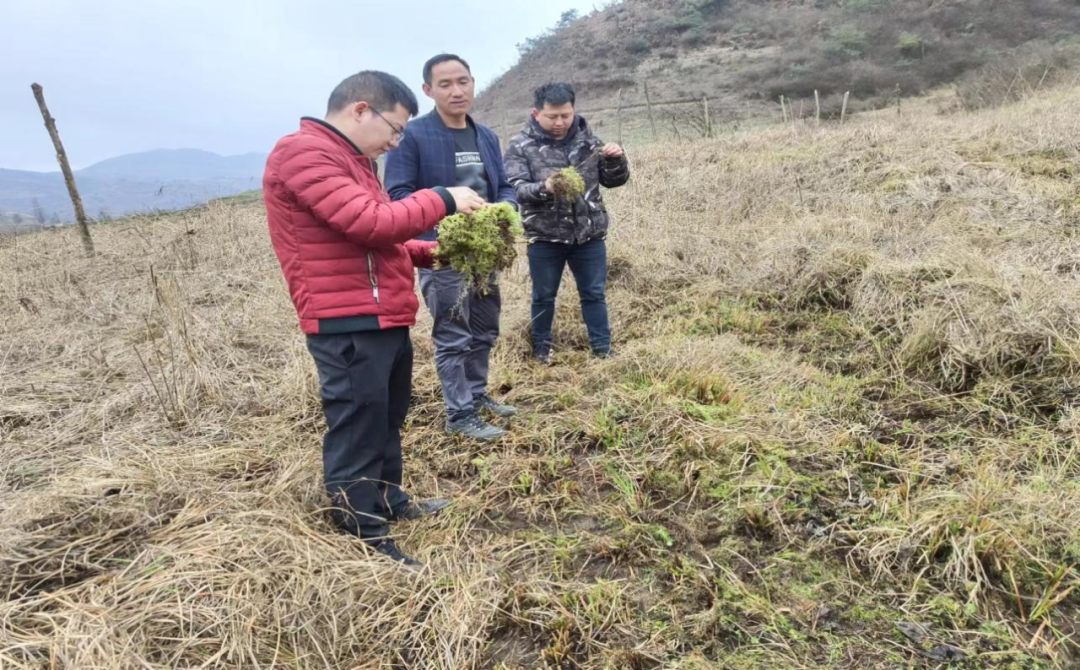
{"x":447,"y":148}
{"x":347,"y":257}
{"x":564,"y":232}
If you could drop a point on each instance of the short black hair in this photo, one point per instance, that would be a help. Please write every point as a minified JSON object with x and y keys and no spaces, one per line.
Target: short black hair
{"x":438,"y":60}
{"x":556,"y":94}
{"x":382,"y":91}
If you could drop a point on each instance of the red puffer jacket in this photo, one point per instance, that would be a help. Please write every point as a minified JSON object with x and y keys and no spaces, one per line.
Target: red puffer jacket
{"x":346,"y":250}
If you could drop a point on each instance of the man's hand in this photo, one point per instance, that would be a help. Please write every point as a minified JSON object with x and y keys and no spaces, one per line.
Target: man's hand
{"x":612,"y":150}
{"x":466,"y":199}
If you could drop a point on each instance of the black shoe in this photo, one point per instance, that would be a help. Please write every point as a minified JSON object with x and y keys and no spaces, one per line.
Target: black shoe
{"x":388,"y":548}
{"x":412,"y":510}
{"x":543,"y":358}
{"x":487,"y":402}
{"x":475,"y":428}
{"x":603,"y":353}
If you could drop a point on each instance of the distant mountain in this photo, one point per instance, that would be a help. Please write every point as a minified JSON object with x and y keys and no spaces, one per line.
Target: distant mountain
{"x":178,"y":164}
{"x":162,"y":179}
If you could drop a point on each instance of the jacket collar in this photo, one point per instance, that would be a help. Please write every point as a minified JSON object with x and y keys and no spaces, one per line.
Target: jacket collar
{"x":439,"y":123}
{"x":322,"y":126}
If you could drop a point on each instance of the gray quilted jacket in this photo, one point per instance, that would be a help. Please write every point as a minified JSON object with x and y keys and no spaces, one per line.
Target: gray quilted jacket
{"x":534,"y":154}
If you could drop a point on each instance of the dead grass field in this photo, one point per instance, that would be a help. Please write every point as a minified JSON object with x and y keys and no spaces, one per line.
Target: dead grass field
{"x":841,"y":432}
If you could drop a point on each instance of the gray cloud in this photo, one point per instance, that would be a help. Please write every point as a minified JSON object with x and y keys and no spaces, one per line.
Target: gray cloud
{"x":228,"y":76}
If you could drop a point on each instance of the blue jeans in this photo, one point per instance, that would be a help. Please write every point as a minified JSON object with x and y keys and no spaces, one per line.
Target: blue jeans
{"x":588,"y":263}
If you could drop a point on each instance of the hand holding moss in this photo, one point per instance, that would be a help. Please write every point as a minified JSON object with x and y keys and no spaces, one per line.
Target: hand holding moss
{"x":567,"y":183}
{"x":466,"y":199}
{"x":479,"y":244}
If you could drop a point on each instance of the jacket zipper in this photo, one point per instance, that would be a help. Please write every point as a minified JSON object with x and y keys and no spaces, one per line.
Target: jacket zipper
{"x":372,"y":277}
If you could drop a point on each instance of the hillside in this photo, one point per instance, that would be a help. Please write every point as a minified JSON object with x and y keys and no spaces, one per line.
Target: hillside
{"x":744,"y":54}
{"x":164,"y":179}
{"x":839,"y":431}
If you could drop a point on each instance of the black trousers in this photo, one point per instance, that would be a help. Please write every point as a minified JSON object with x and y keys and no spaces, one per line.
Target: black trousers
{"x":365,"y":380}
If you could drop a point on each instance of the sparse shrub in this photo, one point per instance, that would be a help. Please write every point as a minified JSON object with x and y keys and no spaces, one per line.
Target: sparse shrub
{"x":707,"y":7}
{"x":870,"y":79}
{"x":910,"y":46}
{"x":846,"y":43}
{"x":866,"y":5}
{"x":638,"y":46}
{"x":1013,"y":78}
{"x":679,"y":24}
{"x":694,"y":38}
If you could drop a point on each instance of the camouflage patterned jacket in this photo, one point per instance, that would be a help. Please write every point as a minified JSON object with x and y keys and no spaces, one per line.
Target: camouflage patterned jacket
{"x":533,"y":155}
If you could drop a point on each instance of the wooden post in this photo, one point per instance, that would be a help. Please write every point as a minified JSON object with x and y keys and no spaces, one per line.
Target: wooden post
{"x":618,"y":117}
{"x":843,"y":109}
{"x":817,"y":107}
{"x":61,"y":157}
{"x":1042,"y":79}
{"x":648,"y":104}
{"x":783,"y":108}
{"x":708,"y":119}
{"x":675,"y":129}
{"x":898,"y":99}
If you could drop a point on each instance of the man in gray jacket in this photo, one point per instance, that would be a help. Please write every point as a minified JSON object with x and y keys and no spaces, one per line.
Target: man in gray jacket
{"x":564,"y":231}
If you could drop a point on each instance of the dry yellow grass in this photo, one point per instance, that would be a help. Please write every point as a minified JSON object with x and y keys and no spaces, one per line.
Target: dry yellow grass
{"x":843,"y":400}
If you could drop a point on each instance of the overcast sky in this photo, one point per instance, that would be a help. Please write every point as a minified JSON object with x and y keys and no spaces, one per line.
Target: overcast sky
{"x":229,"y":76}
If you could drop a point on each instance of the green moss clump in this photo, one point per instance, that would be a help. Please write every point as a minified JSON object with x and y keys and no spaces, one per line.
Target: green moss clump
{"x":479,"y":244}
{"x":567,"y":183}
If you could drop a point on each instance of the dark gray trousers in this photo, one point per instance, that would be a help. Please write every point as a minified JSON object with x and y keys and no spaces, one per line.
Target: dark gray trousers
{"x":464,"y":333}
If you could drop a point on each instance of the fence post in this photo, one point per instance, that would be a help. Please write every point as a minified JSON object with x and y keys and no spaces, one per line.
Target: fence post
{"x":648,"y":104}
{"x":69,"y":178}
{"x":618,"y":116}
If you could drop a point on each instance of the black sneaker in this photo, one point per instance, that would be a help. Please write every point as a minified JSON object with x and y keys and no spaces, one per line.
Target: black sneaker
{"x":543,"y":358}
{"x":603,"y":353}
{"x":388,"y":548}
{"x":473,"y":427}
{"x":413,"y":510}
{"x":487,"y":402}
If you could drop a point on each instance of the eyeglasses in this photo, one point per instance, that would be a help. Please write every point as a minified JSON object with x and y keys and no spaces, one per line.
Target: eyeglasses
{"x":399,"y":133}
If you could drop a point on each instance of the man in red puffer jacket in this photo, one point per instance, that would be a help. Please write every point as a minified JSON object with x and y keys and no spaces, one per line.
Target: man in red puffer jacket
{"x":348,"y":255}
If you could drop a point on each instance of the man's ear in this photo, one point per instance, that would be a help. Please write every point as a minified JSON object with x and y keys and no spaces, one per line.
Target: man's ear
{"x":426,"y":88}
{"x":360,"y":107}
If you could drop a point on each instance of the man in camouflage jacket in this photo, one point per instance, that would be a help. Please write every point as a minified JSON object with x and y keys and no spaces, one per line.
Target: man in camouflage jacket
{"x":564,"y":231}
